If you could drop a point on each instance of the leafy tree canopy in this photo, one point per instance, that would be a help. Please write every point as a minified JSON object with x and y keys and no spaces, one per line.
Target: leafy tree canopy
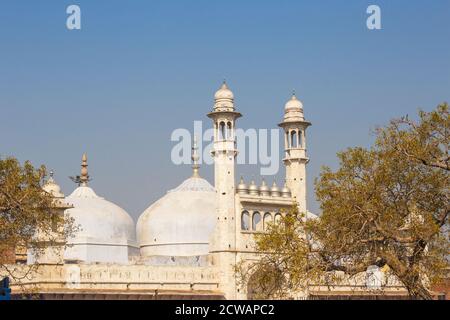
{"x":386,"y":206}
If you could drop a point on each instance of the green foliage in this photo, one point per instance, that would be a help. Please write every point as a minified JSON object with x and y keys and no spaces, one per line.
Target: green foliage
{"x":387,"y":206}
{"x":26,"y":211}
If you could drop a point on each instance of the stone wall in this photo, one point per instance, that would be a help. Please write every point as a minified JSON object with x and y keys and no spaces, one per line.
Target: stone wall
{"x":73,"y":278}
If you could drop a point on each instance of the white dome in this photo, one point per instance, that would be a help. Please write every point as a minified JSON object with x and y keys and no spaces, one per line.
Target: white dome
{"x":52,"y":188}
{"x":107,"y":232}
{"x":180,"y":223}
{"x":293,"y":110}
{"x":293,"y":104}
{"x":224,"y":93}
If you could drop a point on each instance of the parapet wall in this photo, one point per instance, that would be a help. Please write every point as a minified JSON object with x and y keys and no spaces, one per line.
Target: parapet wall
{"x":72,"y":278}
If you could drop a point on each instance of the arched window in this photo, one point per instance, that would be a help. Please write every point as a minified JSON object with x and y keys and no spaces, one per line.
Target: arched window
{"x":294,"y":139}
{"x":229,"y":131}
{"x":277,"y":218}
{"x":286,"y":140}
{"x":267,"y":220}
{"x":256,"y":222}
{"x":222,"y":133}
{"x":245,"y":220}
{"x":300,"y":139}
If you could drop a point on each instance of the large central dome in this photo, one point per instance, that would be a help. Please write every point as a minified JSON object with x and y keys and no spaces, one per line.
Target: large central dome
{"x":180,"y":223}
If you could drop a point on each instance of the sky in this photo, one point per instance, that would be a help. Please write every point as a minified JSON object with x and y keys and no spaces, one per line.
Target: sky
{"x":137,"y":70}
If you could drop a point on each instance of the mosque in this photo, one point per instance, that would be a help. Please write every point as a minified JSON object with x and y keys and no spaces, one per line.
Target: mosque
{"x":186,"y":244}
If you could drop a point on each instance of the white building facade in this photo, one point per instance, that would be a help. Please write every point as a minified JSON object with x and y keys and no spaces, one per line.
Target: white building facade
{"x":187,"y":243}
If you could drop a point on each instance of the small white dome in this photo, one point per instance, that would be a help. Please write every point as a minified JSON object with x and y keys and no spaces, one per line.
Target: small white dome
{"x":181,"y":222}
{"x":293,"y":110}
{"x":275,"y":191}
{"x":264,"y":189}
{"x":107,"y":232}
{"x":52,"y":188}
{"x":253,"y":189}
{"x":286,"y":192}
{"x":242,"y":188}
{"x":293,"y":104}
{"x":224,"y":93}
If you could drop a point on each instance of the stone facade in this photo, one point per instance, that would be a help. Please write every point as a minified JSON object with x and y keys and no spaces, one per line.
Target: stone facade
{"x":182,"y":254}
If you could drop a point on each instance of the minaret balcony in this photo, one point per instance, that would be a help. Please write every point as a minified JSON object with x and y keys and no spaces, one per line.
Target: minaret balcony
{"x":295,"y":153}
{"x":225,"y":145}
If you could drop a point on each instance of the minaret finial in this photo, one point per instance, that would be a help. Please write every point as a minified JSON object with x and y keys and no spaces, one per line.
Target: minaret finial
{"x":84,"y":177}
{"x":224,"y":84}
{"x":195,"y":157}
{"x":50,"y":177}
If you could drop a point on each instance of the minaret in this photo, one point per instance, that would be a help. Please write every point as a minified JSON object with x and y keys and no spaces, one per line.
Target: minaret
{"x":223,"y":244}
{"x":295,"y":158}
{"x":53,"y":254}
{"x":195,"y":157}
{"x":52,"y":187}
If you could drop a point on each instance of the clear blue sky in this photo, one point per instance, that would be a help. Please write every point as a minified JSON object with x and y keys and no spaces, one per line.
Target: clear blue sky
{"x":139,"y":69}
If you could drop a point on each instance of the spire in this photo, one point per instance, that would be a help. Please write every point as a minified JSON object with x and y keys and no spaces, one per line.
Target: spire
{"x":294,"y":98}
{"x":253,"y":189}
{"x":84,"y":177}
{"x":224,"y":84}
{"x":286,"y":192}
{"x":195,"y":157}
{"x":51,"y":176}
{"x":242,"y":187}
{"x":264,"y":182}
{"x":264,"y":189}
{"x":275,"y":191}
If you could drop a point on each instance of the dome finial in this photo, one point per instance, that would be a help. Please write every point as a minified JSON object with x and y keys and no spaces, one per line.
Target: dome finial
{"x":224,"y":93}
{"x":294,"y":97}
{"x":50,"y":177}
{"x":84,"y":177}
{"x":224,"y":84}
{"x":195,"y":157}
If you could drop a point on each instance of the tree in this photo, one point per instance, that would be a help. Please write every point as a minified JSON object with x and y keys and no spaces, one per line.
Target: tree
{"x":426,"y":142}
{"x":387,"y":206}
{"x":26,"y":211}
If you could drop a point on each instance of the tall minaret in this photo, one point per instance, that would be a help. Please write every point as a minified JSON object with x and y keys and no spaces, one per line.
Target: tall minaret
{"x":223,"y":244}
{"x":295,"y":158}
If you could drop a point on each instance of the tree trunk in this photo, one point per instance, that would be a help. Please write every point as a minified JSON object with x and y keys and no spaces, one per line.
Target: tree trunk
{"x":415,"y":287}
